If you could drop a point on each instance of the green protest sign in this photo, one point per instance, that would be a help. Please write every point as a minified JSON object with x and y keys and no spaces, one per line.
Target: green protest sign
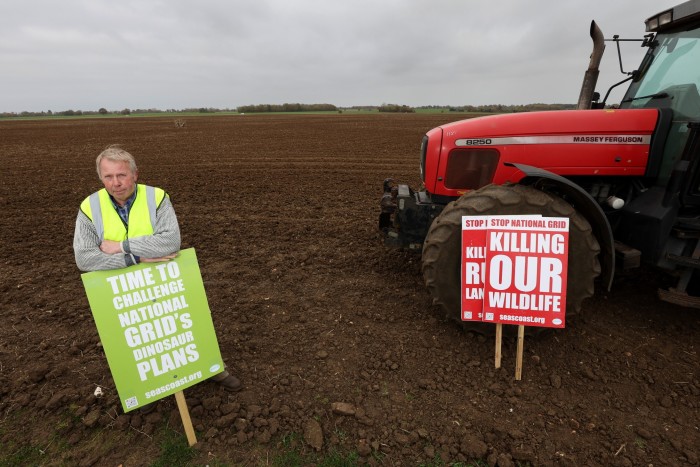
{"x":155,"y":326}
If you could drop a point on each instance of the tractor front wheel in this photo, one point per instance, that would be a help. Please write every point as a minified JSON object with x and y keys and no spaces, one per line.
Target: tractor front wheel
{"x":442,"y":248}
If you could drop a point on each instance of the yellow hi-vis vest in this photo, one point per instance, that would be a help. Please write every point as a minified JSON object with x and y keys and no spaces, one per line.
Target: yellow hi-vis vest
{"x":142,"y":215}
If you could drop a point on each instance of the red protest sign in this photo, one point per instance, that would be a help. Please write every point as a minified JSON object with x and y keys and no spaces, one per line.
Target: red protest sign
{"x":526,"y":265}
{"x":473,"y":266}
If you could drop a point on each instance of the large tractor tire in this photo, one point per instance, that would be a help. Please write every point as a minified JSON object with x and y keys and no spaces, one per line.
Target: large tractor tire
{"x":441,"y":250}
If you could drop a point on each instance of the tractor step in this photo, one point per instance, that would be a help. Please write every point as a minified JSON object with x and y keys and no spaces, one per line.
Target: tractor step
{"x":684,"y":261}
{"x":688,"y":222}
{"x":687,"y":227}
{"x":685,"y":233}
{"x":627,"y":256}
{"x":679,"y":298}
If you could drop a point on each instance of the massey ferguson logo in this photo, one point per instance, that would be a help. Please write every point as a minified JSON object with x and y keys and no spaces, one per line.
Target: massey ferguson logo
{"x":609,"y":139}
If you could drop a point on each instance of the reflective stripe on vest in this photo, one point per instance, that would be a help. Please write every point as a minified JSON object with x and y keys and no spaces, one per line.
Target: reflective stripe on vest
{"x":142,"y":215}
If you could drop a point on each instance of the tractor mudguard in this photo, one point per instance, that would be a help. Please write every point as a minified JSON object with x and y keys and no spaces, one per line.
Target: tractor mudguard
{"x":584,"y":203}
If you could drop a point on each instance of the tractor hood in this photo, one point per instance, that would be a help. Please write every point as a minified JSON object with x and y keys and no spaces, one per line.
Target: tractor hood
{"x":468,"y":154}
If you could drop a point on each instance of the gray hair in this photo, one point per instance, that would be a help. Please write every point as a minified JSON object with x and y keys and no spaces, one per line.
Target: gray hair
{"x":116,"y":154}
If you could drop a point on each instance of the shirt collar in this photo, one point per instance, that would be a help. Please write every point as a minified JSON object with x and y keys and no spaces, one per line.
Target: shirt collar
{"x":127,"y":205}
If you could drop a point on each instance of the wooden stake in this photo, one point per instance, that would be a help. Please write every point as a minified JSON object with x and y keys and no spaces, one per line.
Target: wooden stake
{"x":499,"y":340}
{"x":519,"y":359}
{"x":186,"y":420}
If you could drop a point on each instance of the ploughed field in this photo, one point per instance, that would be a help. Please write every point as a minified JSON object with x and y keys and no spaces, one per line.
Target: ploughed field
{"x":311,"y":310}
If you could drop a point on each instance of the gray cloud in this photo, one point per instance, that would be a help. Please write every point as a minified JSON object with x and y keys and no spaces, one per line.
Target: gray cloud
{"x":174,"y":54}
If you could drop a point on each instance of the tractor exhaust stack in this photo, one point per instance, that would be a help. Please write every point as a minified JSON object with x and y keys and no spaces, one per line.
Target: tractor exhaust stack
{"x":591,"y":77}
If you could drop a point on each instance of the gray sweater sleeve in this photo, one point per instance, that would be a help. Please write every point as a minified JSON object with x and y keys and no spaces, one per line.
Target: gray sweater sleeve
{"x":164,"y":241}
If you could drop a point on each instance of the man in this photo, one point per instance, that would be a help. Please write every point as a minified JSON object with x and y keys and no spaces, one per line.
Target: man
{"x":126,"y":223}
{"x":104,"y":236}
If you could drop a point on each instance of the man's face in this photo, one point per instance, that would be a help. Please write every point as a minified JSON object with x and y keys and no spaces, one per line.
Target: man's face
{"x":118,"y":179}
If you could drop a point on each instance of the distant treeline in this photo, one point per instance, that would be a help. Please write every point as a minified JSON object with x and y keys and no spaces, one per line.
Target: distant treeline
{"x":103,"y":111}
{"x":261,"y":108}
{"x":396,"y":108}
{"x":499,"y":108}
{"x":264,"y":108}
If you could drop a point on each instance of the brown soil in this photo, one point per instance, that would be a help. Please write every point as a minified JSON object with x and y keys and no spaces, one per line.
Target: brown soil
{"x":312,"y":310}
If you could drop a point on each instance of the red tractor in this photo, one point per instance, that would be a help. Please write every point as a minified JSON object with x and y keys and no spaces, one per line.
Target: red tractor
{"x":628,"y":177}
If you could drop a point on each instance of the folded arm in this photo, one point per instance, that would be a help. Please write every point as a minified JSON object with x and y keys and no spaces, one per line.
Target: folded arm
{"x":91,"y":255}
{"x":165,"y":240}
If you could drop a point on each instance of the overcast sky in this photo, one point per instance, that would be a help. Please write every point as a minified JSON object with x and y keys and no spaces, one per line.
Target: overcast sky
{"x":175,"y":54}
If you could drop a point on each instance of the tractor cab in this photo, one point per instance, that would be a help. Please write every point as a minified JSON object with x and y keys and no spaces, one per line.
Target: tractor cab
{"x":663,"y":220}
{"x":669,"y":78}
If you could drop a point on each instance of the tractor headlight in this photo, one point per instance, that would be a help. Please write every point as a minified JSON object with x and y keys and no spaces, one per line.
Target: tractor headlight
{"x":662,"y":19}
{"x":470,"y":168}
{"x":652,"y":24}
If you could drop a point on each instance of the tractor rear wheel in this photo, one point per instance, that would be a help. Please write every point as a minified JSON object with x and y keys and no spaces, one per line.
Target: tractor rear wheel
{"x":441,"y":250}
